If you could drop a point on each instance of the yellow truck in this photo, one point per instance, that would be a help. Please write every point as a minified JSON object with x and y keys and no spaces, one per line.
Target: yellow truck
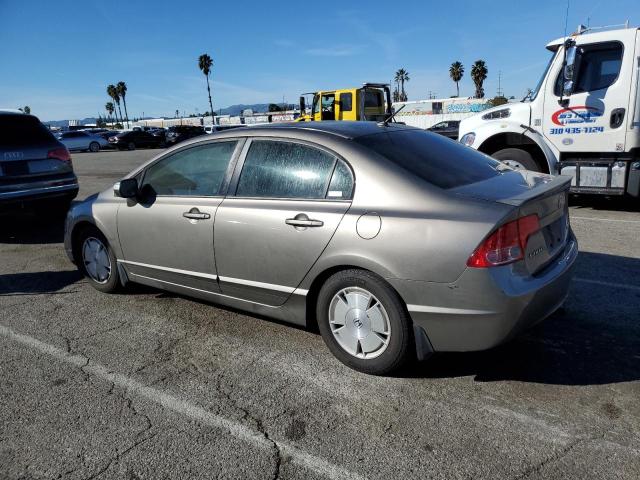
{"x":371,"y":102}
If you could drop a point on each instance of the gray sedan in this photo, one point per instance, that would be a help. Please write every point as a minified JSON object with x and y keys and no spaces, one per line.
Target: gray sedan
{"x":397,"y":242}
{"x":82,"y":141}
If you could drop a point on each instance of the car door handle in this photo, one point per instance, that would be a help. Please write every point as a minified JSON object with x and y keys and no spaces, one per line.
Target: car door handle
{"x":302,"y":220}
{"x":195,"y":214}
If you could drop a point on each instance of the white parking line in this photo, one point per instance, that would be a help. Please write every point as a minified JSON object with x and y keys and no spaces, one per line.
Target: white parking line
{"x":175,"y":404}
{"x":599,"y":219}
{"x":608,"y":284}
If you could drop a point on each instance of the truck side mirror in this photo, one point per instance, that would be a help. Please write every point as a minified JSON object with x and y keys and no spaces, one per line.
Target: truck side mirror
{"x":569,"y":67}
{"x":303,"y":106}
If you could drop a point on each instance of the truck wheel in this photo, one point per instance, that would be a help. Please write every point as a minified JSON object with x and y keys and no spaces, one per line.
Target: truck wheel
{"x":518,"y":159}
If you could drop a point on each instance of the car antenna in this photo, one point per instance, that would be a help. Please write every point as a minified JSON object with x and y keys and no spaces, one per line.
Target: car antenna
{"x":390,"y":117}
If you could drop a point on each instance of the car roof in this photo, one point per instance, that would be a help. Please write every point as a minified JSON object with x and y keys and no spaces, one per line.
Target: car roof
{"x":344,"y":129}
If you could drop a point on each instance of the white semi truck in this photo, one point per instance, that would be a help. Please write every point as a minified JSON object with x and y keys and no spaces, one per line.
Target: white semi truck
{"x":582,"y":119}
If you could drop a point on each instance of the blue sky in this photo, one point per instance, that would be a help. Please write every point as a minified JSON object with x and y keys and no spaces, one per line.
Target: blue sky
{"x":58,"y":56}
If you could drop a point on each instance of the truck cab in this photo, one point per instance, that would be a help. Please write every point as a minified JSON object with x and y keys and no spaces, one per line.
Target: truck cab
{"x":371,"y":102}
{"x":581,"y":120}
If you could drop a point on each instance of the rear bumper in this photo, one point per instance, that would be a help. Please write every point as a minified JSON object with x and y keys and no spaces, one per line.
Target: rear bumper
{"x":486,"y":307}
{"x":614,"y":176}
{"x":34,"y":191}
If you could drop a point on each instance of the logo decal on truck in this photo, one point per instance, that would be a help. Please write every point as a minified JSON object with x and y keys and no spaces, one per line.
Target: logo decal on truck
{"x":571,"y":120}
{"x":570,"y":116}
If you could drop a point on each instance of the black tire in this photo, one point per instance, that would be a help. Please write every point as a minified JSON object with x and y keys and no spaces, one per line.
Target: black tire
{"x":94,"y":147}
{"x":131,"y":146}
{"x":523,"y":157}
{"x":400,"y":344}
{"x":112,"y":283}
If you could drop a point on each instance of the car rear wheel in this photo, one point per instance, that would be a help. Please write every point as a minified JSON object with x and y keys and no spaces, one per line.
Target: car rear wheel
{"x":131,"y":146}
{"x":94,"y":147}
{"x":517,"y":158}
{"x":96,"y":260}
{"x":364,"y":322}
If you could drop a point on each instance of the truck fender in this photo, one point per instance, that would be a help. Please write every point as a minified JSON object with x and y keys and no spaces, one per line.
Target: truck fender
{"x":489,"y":131}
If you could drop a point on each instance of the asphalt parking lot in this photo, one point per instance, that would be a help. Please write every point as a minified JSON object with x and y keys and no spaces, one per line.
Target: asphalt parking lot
{"x":146,"y":384}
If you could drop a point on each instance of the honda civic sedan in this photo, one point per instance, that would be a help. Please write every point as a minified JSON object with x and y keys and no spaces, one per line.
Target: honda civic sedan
{"x":397,"y":242}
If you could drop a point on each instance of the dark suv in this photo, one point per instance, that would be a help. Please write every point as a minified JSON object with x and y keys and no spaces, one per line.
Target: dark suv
{"x":180,"y":133}
{"x":35,"y":168}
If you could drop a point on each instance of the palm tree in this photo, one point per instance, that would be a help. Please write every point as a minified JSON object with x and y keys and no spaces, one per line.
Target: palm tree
{"x":109,"y":108}
{"x":205,"y":63}
{"x":112,"y":91}
{"x":456,"y":71}
{"x":402,"y":76}
{"x":478,"y":75}
{"x":121,"y":87}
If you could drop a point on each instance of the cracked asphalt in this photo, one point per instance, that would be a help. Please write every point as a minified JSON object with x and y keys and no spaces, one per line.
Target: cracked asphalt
{"x":147,"y":384}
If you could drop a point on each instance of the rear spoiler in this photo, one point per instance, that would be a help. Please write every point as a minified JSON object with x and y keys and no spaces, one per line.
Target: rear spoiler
{"x":541,"y":190}
{"x":515,"y":187}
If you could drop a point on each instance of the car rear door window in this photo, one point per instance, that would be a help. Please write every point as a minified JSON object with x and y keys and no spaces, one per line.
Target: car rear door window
{"x":341,"y":185}
{"x":197,"y":171}
{"x":277,"y":169}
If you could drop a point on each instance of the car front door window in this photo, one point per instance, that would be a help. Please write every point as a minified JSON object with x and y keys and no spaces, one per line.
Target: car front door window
{"x":197,"y":171}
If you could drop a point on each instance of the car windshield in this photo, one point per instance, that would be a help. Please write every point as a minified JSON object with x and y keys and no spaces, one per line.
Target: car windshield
{"x":434,"y":158}
{"x":21,"y":130}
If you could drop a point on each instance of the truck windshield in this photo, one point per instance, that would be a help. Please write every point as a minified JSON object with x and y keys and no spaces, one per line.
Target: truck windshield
{"x":532,"y":96}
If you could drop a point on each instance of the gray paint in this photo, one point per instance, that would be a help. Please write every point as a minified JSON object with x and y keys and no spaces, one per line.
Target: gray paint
{"x":424,"y":237}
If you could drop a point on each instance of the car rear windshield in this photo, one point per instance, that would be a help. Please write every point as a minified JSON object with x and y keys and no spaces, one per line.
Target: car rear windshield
{"x":22,"y":130}
{"x":436,"y":159}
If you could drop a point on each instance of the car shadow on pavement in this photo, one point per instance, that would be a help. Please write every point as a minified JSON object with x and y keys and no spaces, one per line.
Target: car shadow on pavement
{"x":35,"y":283}
{"x":28,"y":228}
{"x":594,"y":340}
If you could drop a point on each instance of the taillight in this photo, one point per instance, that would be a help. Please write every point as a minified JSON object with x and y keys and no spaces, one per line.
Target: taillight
{"x":60,"y":154}
{"x":506,"y":245}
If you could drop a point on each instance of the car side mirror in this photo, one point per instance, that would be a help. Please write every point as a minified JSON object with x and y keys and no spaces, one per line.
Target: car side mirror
{"x":126,"y":188}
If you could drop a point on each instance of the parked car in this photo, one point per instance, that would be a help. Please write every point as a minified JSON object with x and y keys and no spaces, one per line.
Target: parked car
{"x":160,"y":133}
{"x":369,"y":229}
{"x":82,"y":141}
{"x":109,"y":133}
{"x":447,"y":128}
{"x":35,"y":168}
{"x":132,"y":139}
{"x":180,"y":133}
{"x":220,"y":128}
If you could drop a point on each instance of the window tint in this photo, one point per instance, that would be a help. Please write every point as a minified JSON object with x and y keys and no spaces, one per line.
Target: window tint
{"x":433,"y":158}
{"x":197,"y":171}
{"x":373,"y":98}
{"x":346,"y":102}
{"x":285,"y":170}
{"x":341,"y":185}
{"x":598,"y":68}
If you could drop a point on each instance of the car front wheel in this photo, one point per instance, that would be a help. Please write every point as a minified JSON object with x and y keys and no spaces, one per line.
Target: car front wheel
{"x":96,"y":260}
{"x":364,"y":322}
{"x":94,"y":147}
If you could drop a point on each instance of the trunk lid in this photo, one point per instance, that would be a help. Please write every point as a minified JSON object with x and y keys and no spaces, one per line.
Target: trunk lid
{"x":531,"y":193}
